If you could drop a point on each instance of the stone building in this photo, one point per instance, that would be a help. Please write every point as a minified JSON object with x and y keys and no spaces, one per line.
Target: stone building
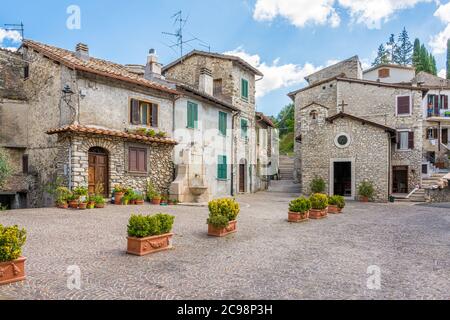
{"x":233,"y":81}
{"x":351,"y":129}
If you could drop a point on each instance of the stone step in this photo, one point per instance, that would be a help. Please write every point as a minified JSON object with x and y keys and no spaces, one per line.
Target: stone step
{"x":285,"y":186}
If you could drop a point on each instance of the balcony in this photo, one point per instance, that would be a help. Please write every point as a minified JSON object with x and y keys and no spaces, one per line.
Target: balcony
{"x":438,"y":115}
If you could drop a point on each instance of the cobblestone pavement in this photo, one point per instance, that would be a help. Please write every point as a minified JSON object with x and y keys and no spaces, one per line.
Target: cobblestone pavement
{"x":267,"y":259}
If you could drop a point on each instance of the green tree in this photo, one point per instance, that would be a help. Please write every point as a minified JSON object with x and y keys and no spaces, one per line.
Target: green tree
{"x":403,"y":49}
{"x":5,"y":168}
{"x":285,"y":120}
{"x":382,"y":56}
{"x":391,"y":48}
{"x":416,"y":61}
{"x":433,"y":66}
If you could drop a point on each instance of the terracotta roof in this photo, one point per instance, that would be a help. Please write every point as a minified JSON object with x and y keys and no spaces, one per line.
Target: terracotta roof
{"x":266,"y":119}
{"x":94,"y":65}
{"x":364,"y":121}
{"x":214,"y":55}
{"x":389,"y":65}
{"x":109,"y":132}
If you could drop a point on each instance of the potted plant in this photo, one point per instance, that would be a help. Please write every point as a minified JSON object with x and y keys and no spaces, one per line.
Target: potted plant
{"x":91,"y":202}
{"x":173,"y":202}
{"x":82,"y":204}
{"x":149,"y":234}
{"x":161,"y":134}
{"x":336,"y":204}
{"x":366,"y":191}
{"x":151,"y":133}
{"x":222,"y":217}
{"x":99,"y":201}
{"x":126,"y":200}
{"x":156,"y":200}
{"x":299,"y":210}
{"x":164,"y":200}
{"x":12,"y":265}
{"x":62,"y":194}
{"x":119,"y":192}
{"x":139,"y":199}
{"x":73,"y":201}
{"x":319,"y":204}
{"x":81,"y":192}
{"x":317,"y":185}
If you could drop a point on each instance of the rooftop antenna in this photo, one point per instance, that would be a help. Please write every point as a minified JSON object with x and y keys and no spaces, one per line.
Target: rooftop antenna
{"x":15,"y":27}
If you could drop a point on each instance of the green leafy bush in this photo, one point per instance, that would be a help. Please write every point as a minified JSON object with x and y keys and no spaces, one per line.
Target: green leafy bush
{"x":141,"y":226}
{"x":12,"y":240}
{"x":317,"y":185}
{"x":366,"y":189}
{"x":338,"y":201}
{"x":227,"y":208}
{"x":81,"y":192}
{"x":98,"y":199}
{"x":319,"y":201}
{"x":62,"y":194}
{"x":300,"y":205}
{"x":5,"y":167}
{"x":152,"y":193}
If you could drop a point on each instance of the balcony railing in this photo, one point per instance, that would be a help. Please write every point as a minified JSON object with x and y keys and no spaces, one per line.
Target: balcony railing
{"x":441,"y":113}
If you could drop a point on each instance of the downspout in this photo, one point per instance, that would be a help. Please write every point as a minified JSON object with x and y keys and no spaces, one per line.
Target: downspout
{"x":70,"y":163}
{"x":233,"y":151}
{"x":389,"y":163}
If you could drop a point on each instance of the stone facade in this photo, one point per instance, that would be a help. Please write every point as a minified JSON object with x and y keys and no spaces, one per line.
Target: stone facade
{"x":350,"y":68}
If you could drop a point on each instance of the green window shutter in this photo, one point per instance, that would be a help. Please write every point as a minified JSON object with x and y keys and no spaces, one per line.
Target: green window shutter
{"x":244,"y":88}
{"x":192,"y":115}
{"x":244,"y":128}
{"x":222,"y":168}
{"x":223,"y":123}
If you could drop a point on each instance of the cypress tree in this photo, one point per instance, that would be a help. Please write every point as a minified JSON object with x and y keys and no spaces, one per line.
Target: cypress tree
{"x":433,"y":66}
{"x":416,"y":61}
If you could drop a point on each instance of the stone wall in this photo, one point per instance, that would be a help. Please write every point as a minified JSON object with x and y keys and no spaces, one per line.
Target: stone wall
{"x":438,"y":195}
{"x":350,"y":68}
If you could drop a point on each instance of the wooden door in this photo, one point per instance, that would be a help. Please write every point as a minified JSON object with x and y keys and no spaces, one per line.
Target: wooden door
{"x":98,"y":171}
{"x":400,"y":177}
{"x":242,"y":178}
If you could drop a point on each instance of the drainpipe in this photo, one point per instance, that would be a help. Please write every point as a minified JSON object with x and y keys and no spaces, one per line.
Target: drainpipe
{"x":233,"y":151}
{"x":70,"y":163}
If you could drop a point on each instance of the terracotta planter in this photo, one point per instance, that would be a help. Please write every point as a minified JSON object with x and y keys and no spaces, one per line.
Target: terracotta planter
{"x":215,"y":232}
{"x":364,"y":199}
{"x":91,"y":205}
{"x":63,"y":206}
{"x":333,"y":209}
{"x":82,"y":206}
{"x":139,"y":202}
{"x":99,"y":205}
{"x":298,"y":217}
{"x":12,"y":271}
{"x":133,"y":202}
{"x":144,"y":246}
{"x":156,"y":201}
{"x":73,"y":204}
{"x":118,"y":198}
{"x":340,"y":210}
{"x":318,"y":214}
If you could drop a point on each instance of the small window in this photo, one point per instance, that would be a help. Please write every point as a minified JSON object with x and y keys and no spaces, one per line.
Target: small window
{"x":405,"y":140}
{"x":244,"y":89}
{"x":404,"y":105}
{"x":222,"y":168}
{"x":342,"y":140}
{"x":217,"y":87}
{"x":137,"y":160}
{"x":26,"y":72}
{"x":192,"y":115}
{"x":444,"y":102}
{"x":384,"y":73}
{"x":144,"y":113}
{"x":25,"y":164}
{"x":244,"y":128}
{"x":223,"y":123}
{"x":432,"y":133}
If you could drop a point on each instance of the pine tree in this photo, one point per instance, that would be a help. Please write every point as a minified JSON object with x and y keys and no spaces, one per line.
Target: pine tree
{"x":382,"y":56}
{"x":391,"y":48}
{"x":448,"y":59}
{"x":403,"y":49}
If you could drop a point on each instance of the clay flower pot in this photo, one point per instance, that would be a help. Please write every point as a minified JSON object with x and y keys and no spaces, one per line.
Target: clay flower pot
{"x":63,"y":205}
{"x":298,"y":216}
{"x":73,"y":204}
{"x":148,"y":245}
{"x":12,"y":271}
{"x":318,"y":214}
{"x":156,"y":201}
{"x":333,"y":209}
{"x":133,"y":202}
{"x":216,"y":232}
{"x":91,"y":205}
{"x":139,"y":202}
{"x":364,"y":199}
{"x":99,"y":205}
{"x":118,"y":198}
{"x":82,"y":205}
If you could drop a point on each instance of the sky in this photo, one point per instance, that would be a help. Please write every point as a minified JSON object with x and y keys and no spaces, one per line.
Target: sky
{"x":285,"y":39}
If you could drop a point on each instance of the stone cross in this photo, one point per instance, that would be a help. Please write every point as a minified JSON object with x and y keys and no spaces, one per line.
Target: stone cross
{"x":343,"y":105}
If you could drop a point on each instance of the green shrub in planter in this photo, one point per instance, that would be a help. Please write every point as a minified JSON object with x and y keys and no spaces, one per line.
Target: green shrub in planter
{"x":338,"y":201}
{"x":12,"y":240}
{"x":366,"y":189}
{"x":317,"y":185}
{"x":319,"y":201}
{"x":300,"y":205}
{"x":141,"y":226}
{"x":222,"y":211}
{"x":99,"y":199}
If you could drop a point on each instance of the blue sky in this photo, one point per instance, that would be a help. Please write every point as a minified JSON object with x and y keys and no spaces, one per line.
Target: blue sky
{"x":286,"y":39}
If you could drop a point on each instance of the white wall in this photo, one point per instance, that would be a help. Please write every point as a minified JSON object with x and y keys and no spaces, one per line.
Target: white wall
{"x":396,"y":75}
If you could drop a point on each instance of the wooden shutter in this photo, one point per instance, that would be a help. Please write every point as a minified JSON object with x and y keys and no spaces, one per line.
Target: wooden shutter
{"x":154,"y":115}
{"x":410,"y":140}
{"x":403,"y":105}
{"x":141,"y":160}
{"x":132,"y":160}
{"x":217,"y":87}
{"x":192,"y":115}
{"x":135,"y":114}
{"x":445,"y":136}
{"x":25,"y":164}
{"x":222,"y":168}
{"x":444,"y":102}
{"x":244,"y":88}
{"x":222,"y":123}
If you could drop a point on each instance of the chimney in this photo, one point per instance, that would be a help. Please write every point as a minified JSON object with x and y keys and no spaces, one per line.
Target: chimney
{"x":206,"y":81}
{"x":82,"y":51}
{"x":153,"y":67}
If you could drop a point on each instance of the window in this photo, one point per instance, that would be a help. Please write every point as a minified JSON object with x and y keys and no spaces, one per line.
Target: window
{"x":192,"y":115}
{"x":404,"y":105}
{"x":223,"y":123}
{"x":137,"y":160}
{"x":217,"y":87}
{"x":144,"y":113}
{"x":26,"y":72}
{"x":432,"y":133}
{"x":405,"y":140}
{"x":222,"y":173}
{"x":244,"y":89}
{"x":25,"y":164}
{"x":342,"y":140}
{"x":244,"y":128}
{"x":444,"y":102}
{"x":313,"y":115}
{"x":384,"y":73}
{"x":444,"y":138}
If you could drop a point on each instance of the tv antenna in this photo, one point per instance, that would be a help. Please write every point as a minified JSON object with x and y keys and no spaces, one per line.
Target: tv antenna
{"x":180,"y":43}
{"x":15,"y":27}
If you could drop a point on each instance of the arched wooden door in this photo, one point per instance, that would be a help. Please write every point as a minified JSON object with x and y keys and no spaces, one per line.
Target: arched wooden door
{"x":98,"y":170}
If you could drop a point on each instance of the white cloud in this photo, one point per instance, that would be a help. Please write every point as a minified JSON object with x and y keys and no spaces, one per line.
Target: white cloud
{"x":374,"y":12}
{"x":438,"y":43}
{"x":13,"y":49}
{"x":442,"y":74}
{"x":324,"y":12}
{"x":276,"y":75}
{"x":12,"y":35}
{"x":298,"y":12}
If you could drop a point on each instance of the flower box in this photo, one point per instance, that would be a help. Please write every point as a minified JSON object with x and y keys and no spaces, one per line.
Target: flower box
{"x":217,"y":232}
{"x":148,"y":245}
{"x":333,"y":209}
{"x":318,"y":214}
{"x":12,"y":271}
{"x":298,"y":216}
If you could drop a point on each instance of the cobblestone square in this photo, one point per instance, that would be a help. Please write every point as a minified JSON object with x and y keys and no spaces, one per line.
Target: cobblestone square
{"x":267,"y":259}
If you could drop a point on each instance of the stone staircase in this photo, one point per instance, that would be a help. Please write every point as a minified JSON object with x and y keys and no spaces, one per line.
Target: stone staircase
{"x":434,"y":180}
{"x":418,"y":196}
{"x":286,"y":183}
